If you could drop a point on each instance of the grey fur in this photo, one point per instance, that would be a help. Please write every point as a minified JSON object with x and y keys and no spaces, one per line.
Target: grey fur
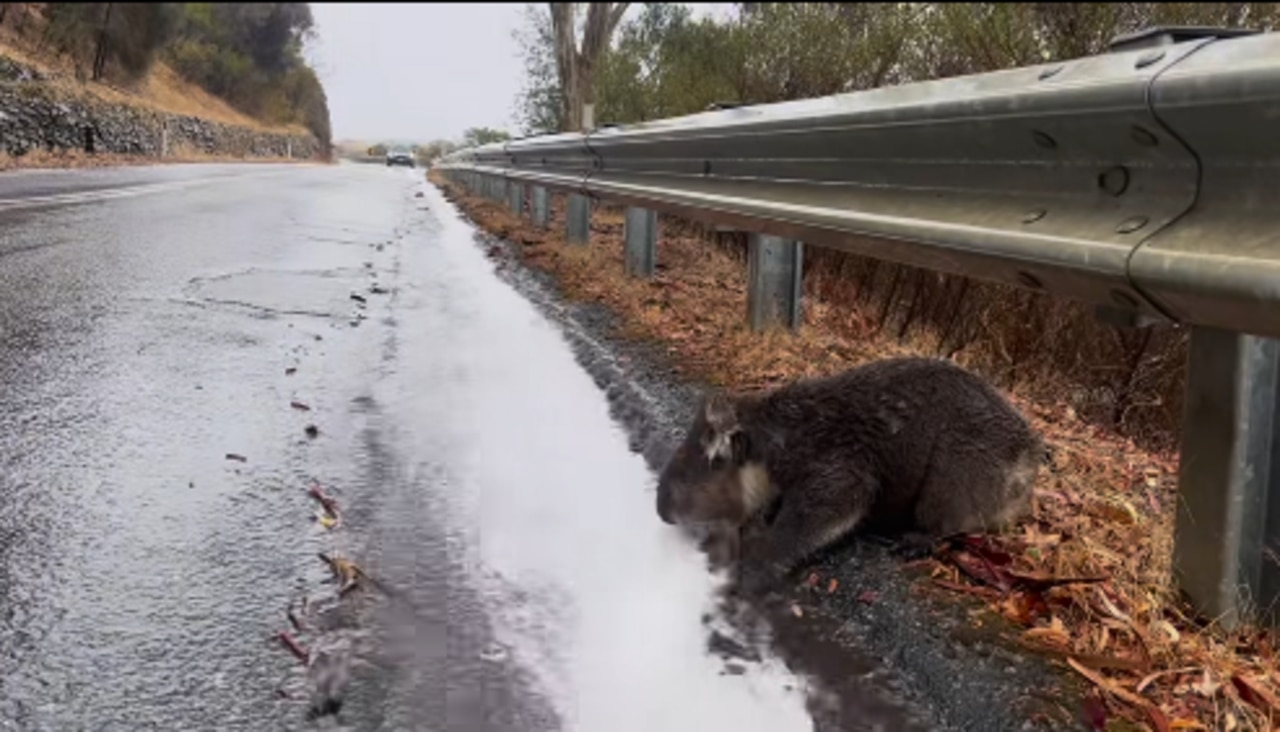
{"x":914,"y":445}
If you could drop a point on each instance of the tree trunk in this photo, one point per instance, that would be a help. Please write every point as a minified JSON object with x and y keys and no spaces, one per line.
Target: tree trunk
{"x":100,"y":56}
{"x":576,"y":66}
{"x":562,"y":22}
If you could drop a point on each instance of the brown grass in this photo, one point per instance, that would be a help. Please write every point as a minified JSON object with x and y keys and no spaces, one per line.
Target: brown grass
{"x":1103,"y":513}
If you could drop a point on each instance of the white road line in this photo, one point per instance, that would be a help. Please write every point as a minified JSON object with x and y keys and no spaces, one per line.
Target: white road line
{"x":60,"y":199}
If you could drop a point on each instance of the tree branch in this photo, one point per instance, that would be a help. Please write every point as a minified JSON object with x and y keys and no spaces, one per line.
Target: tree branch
{"x":615,"y":17}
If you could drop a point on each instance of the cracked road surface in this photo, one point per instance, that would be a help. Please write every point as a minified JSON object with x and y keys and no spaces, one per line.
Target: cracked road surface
{"x":155,"y":326}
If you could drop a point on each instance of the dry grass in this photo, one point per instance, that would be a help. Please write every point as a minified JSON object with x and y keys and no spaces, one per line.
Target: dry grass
{"x":161,"y":89}
{"x":1104,"y":512}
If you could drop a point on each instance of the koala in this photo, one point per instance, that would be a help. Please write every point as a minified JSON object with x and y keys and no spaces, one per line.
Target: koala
{"x":919,"y":447}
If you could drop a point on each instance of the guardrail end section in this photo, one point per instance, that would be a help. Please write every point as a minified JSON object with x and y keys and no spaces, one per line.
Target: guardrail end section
{"x":775,"y":267}
{"x":641,"y":237}
{"x":578,"y":225}
{"x":1227,"y":531}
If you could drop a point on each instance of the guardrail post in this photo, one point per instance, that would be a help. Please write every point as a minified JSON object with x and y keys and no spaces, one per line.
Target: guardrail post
{"x":641,"y":236}
{"x":515,"y":197}
{"x":578,"y":225}
{"x":774,"y":268}
{"x":541,"y":207}
{"x":1228,"y":515}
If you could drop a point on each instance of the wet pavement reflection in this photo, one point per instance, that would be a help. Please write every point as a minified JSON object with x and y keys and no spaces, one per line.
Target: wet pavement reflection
{"x":143,"y":574}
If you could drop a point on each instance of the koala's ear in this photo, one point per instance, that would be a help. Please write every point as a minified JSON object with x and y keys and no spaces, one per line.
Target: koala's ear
{"x":721,"y":414}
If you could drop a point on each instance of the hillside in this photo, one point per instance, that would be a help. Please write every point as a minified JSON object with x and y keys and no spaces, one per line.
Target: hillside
{"x":237,"y":64}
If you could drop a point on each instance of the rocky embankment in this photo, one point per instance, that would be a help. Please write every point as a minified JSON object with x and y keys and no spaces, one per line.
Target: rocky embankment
{"x":35,"y":115}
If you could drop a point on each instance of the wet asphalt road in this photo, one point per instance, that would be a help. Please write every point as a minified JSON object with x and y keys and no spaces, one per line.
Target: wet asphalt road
{"x":154,"y":321}
{"x":148,"y":317}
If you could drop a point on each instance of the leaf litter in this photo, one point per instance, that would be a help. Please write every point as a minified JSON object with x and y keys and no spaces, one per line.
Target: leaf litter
{"x":329,"y":654}
{"x":1087,"y":578}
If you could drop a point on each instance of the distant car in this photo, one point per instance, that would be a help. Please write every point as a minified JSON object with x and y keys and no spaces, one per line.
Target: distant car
{"x":400,"y":156}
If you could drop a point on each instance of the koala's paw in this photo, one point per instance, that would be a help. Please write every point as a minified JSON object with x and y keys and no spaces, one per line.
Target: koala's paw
{"x":912,"y":546}
{"x":761,"y":581}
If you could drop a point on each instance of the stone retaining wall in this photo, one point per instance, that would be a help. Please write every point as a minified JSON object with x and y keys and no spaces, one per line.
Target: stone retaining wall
{"x":34,"y":116}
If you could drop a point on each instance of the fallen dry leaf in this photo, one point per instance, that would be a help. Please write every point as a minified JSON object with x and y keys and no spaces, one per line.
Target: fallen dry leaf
{"x":1035,"y":581}
{"x":1255,"y":692}
{"x":328,"y":503}
{"x":1206,"y":686}
{"x":967,"y":589}
{"x":1093,"y":712}
{"x":1110,"y":687}
{"x":1053,"y":636}
{"x":1170,"y":632}
{"x":1116,"y":510}
{"x":982,"y":570}
{"x":1147,"y":680}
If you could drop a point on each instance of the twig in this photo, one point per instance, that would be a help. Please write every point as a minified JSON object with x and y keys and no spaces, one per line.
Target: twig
{"x":1110,"y":687}
{"x":302,"y":654}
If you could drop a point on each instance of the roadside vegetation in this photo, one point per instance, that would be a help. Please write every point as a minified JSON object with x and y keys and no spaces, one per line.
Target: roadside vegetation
{"x":1109,"y":399}
{"x":237,"y":63}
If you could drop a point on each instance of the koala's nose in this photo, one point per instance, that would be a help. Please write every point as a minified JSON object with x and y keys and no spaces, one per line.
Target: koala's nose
{"x":664,"y":506}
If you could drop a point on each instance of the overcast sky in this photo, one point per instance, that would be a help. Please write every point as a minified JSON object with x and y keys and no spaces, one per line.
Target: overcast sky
{"x":418,"y":72}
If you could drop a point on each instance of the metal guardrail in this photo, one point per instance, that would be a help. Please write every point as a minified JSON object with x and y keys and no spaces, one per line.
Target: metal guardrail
{"x":1145,"y":181}
{"x":1141,"y":179}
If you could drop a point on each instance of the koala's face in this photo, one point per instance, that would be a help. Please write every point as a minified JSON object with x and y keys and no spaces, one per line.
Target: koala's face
{"x":703,"y":480}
